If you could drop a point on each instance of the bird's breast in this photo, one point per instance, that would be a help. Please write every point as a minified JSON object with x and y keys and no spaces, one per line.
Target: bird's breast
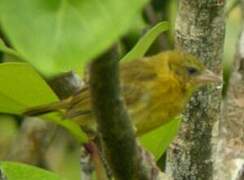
{"x":158,"y":105}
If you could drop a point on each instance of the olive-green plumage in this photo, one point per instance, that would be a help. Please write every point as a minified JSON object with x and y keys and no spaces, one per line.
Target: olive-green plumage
{"x":155,"y":90}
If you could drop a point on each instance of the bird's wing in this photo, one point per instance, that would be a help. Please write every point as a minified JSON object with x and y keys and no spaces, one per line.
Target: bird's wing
{"x":133,"y":76}
{"x":136,"y":78}
{"x":137,"y":71}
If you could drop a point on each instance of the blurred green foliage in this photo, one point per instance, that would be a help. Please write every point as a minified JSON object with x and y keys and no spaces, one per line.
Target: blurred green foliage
{"x":18,"y":171}
{"x":22,"y":87}
{"x":8,"y":131}
{"x":231,"y":38}
{"x":65,"y":34}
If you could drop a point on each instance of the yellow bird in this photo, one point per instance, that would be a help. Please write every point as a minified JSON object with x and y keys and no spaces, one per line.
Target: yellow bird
{"x":155,"y":90}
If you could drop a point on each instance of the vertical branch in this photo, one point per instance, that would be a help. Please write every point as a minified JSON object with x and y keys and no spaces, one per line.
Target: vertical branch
{"x":230,"y":148}
{"x":126,"y":159}
{"x":200,"y":31}
{"x":113,"y":122}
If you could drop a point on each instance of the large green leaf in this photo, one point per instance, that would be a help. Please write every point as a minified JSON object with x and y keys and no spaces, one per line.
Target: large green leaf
{"x":22,"y":87}
{"x":159,"y":139}
{"x":59,"y":35}
{"x":20,"y":171}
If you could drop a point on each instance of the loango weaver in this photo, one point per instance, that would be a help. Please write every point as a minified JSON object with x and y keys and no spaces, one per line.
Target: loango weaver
{"x":155,"y":90}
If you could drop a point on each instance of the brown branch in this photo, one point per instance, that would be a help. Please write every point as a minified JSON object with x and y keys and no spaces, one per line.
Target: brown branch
{"x":65,"y":85}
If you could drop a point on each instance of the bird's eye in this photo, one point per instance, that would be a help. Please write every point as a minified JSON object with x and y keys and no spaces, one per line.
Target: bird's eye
{"x":192,"y":70}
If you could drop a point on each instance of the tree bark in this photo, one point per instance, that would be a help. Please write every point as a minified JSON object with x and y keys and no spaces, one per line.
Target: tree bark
{"x":200,"y":31}
{"x":229,"y":162}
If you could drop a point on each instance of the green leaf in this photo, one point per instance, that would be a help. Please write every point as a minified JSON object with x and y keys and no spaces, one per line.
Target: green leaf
{"x":21,"y":87}
{"x":146,"y":41}
{"x":159,"y":139}
{"x":59,"y":35}
{"x":20,"y":171}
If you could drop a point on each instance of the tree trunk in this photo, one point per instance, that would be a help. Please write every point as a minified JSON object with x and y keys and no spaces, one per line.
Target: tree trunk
{"x":200,"y":31}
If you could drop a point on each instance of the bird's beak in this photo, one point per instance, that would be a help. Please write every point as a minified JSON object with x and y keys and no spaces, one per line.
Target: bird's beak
{"x":208,"y":76}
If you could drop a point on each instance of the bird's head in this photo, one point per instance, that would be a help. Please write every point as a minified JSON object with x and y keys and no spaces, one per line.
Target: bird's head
{"x":190,"y":70}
